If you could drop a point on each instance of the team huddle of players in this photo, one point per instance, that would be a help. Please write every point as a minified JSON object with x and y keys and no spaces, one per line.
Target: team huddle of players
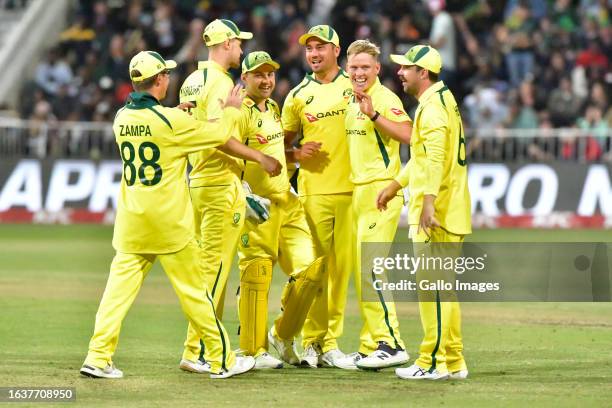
{"x":349,"y":180}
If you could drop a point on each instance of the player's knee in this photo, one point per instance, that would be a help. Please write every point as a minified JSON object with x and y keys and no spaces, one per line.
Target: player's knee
{"x":314,"y":272}
{"x":257,"y":271}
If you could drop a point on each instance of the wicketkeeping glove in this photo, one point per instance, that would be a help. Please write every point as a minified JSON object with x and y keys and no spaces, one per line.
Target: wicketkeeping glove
{"x":257,"y":208}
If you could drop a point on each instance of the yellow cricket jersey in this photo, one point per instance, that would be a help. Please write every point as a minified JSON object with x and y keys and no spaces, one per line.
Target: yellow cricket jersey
{"x":374,"y":155}
{"x":438,"y":164}
{"x":263,"y":131}
{"x":154,"y":214}
{"x":317,"y":110}
{"x":207,"y":88}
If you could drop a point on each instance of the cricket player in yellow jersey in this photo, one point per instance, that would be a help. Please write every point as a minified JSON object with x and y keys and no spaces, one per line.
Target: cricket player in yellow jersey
{"x":155,"y":219}
{"x":376,"y":124}
{"x":315,"y":110}
{"x":216,"y":192}
{"x":439,"y":208}
{"x":285,"y":237}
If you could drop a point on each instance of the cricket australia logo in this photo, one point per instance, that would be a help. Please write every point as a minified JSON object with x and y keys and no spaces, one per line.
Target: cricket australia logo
{"x":348,"y":92}
{"x":245,"y":240}
{"x":236,"y":218}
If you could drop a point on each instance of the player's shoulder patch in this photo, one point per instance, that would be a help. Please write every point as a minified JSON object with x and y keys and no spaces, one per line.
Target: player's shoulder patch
{"x":248,"y":102}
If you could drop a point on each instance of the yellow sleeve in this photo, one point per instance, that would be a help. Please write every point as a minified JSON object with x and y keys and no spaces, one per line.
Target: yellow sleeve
{"x":393,"y":109}
{"x":289,"y":117}
{"x":433,"y":130}
{"x":403,"y":178}
{"x":194,"y":135}
{"x":243,"y":124}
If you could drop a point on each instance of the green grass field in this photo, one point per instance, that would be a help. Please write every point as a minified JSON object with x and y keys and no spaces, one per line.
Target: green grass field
{"x":52,"y":277}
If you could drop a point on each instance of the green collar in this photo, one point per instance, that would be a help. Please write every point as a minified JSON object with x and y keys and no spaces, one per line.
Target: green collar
{"x":254,"y":104}
{"x":141,"y":100}
{"x":435,"y":87}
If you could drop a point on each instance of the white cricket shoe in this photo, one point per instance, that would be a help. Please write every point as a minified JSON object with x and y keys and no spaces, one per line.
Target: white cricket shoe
{"x":414,"y":372}
{"x":241,"y":366}
{"x":329,"y":358}
{"x":383,"y":357}
{"x":458,"y":375}
{"x":310,"y":356}
{"x":198,"y":366}
{"x":110,"y":371}
{"x":285,"y":348}
{"x":348,"y":362}
{"x":267,"y":361}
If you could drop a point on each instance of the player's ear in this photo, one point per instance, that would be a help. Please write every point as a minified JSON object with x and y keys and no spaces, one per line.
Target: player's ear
{"x":377,"y":67}
{"x":337,"y":51}
{"x":243,"y":78}
{"x":158,"y":80}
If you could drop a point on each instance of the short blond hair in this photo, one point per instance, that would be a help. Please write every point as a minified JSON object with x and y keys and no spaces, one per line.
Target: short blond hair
{"x":363,"y":46}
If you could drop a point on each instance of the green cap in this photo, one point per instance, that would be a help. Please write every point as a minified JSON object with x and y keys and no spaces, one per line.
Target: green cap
{"x":423,"y":56}
{"x":220,"y":30}
{"x":256,"y":59}
{"x":145,"y":64}
{"x":323,"y":32}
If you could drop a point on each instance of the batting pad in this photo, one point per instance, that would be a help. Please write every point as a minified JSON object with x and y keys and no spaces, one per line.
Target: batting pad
{"x":297,"y":298}
{"x":253,"y":305}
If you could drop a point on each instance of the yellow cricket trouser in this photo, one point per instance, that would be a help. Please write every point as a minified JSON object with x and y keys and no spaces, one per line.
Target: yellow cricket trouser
{"x":285,"y":238}
{"x":331,"y":223}
{"x":184,"y":270}
{"x":442,"y":345}
{"x":219,"y":218}
{"x":373,"y":226}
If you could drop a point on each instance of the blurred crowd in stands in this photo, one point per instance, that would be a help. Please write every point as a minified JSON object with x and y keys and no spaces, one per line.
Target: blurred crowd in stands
{"x":516,"y":64}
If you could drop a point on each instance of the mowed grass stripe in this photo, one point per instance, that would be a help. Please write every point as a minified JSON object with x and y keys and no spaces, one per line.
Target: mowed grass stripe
{"x":518,"y":353}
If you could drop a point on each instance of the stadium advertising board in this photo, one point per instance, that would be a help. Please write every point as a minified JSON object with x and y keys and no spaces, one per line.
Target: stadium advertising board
{"x":564,"y":195}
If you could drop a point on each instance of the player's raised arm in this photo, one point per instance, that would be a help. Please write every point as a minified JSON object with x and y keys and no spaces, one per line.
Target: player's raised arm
{"x":237,"y":149}
{"x":196,"y":135}
{"x":399,"y":131}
